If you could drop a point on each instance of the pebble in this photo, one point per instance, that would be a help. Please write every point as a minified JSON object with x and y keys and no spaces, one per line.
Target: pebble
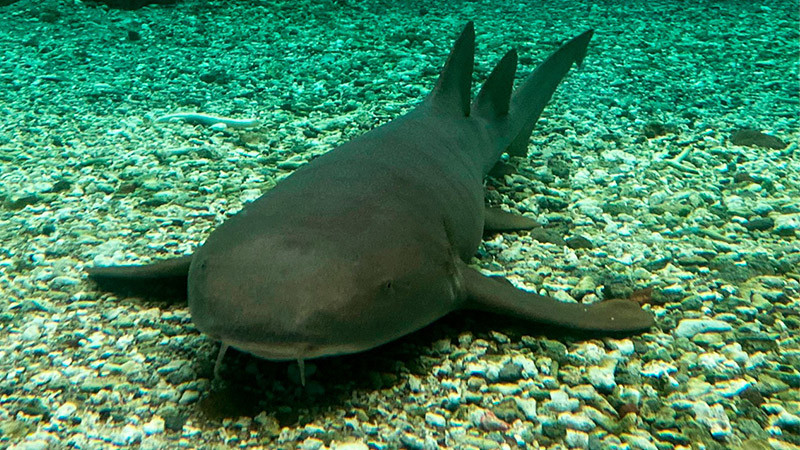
{"x":787,"y":224}
{"x":576,"y":422}
{"x":65,"y":411}
{"x":156,"y":425}
{"x":624,"y":346}
{"x":560,"y":402}
{"x":688,"y":328}
{"x":576,"y":439}
{"x":31,"y":333}
{"x":714,"y":418}
{"x":604,"y":421}
{"x":658,"y":369}
{"x":349,"y":446}
{"x":311,"y":443}
{"x":436,"y":420}
{"x":638,"y":442}
{"x":731,"y":388}
{"x":602,"y":376}
{"x":786,"y":420}
{"x":189,"y":396}
{"x":130,"y":434}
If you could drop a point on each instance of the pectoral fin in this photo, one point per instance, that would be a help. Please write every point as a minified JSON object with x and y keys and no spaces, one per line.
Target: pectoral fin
{"x":164,"y":279}
{"x":498,"y":295}
{"x":495,"y":219}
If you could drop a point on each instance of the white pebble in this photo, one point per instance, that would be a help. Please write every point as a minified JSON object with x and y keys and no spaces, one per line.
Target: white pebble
{"x":560,"y":402}
{"x":155,"y":426}
{"x":528,"y":407}
{"x":658,"y":369}
{"x":688,"y":328}
{"x":576,"y":439}
{"x":129,"y":434}
{"x":31,"y":333}
{"x":602,"y":376}
{"x":714,"y":418}
{"x":349,"y":446}
{"x":437,"y":420}
{"x":65,"y":411}
{"x":576,"y":422}
{"x":311,"y":444}
{"x":625,"y":346}
{"x":731,"y":388}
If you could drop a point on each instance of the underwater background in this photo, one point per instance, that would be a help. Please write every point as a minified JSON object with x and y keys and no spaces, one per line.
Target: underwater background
{"x":668,"y":161}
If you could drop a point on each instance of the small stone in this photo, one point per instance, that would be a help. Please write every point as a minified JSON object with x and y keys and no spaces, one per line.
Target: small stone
{"x":689,"y":327}
{"x":65,"y":411}
{"x":560,"y":402}
{"x":31,"y":333}
{"x":714,"y":418}
{"x":576,"y":422}
{"x":755,"y":138}
{"x":658,"y":369}
{"x":527,"y":406}
{"x":602,"y":376}
{"x":349,"y":446}
{"x":437,"y":420}
{"x":154,"y":426}
{"x":311,"y":443}
{"x":129,"y":434}
{"x":787,"y":224}
{"x":638,"y":442}
{"x":769,"y":386}
{"x":760,"y":224}
{"x":510,"y":372}
{"x":189,"y":396}
{"x":787,"y":420}
{"x":586,"y":285}
{"x":576,"y":439}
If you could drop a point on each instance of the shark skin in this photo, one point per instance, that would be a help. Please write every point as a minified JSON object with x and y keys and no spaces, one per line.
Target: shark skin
{"x":370,"y":241}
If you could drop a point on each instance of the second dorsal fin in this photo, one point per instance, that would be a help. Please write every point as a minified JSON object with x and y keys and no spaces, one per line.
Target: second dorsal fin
{"x":495,"y":95}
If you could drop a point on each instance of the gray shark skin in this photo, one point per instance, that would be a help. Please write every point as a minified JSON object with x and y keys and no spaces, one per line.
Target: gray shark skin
{"x":370,"y":241}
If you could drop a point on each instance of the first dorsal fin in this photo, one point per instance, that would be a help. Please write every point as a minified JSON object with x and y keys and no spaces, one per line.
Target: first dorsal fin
{"x":452,"y":91}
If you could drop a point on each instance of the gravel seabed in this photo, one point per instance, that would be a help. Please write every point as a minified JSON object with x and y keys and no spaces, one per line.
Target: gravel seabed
{"x":632,"y":161}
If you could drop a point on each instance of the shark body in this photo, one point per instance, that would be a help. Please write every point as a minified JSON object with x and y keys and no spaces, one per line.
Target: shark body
{"x":370,"y":241}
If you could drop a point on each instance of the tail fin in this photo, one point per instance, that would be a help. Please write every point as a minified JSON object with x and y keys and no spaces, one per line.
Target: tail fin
{"x":452,"y":91}
{"x":530,"y":98}
{"x":495,"y":95}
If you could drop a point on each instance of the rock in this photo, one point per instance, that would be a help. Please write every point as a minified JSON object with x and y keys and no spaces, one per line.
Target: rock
{"x":714,"y":418}
{"x":768,"y":385}
{"x":65,"y":411}
{"x":688,"y":328}
{"x":578,"y":241}
{"x":760,"y":224}
{"x":560,"y":402}
{"x":134,"y":4}
{"x":154,"y":426}
{"x":787,"y":224}
{"x":436,"y":420}
{"x":602,"y":376}
{"x":576,"y":422}
{"x":754,"y":138}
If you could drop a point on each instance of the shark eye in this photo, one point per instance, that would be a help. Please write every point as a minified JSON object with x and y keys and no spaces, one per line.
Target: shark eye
{"x":387,"y":286}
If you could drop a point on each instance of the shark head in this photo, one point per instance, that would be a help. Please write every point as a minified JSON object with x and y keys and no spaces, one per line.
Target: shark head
{"x":301,"y":294}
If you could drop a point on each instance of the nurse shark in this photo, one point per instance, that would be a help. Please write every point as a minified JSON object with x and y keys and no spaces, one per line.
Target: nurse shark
{"x":371,"y":241}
